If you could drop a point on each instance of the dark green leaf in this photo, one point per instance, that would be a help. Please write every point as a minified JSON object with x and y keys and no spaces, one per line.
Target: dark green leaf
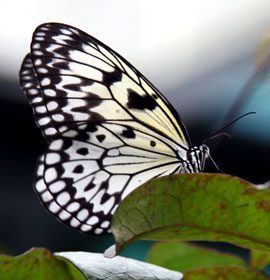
{"x":213,"y":207}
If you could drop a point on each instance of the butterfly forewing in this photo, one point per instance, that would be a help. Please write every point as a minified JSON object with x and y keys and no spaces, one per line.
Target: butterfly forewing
{"x":81,"y":78}
{"x":109,"y":129}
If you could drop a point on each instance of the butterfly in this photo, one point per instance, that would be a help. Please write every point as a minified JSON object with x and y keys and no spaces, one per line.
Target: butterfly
{"x":109,"y":130}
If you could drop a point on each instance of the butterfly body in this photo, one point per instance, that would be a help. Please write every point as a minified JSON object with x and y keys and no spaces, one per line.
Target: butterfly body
{"x":109,"y":129}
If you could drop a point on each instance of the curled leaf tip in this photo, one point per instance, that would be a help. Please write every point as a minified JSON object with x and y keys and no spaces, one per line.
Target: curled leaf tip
{"x":263,"y":186}
{"x":110,"y":252}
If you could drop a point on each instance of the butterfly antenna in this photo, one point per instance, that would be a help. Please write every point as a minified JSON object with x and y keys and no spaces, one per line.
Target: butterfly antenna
{"x":216,"y":166}
{"x":216,"y":135}
{"x":220,"y":131}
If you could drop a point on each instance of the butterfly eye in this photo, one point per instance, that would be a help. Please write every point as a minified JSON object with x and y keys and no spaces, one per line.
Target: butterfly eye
{"x":109,"y":129}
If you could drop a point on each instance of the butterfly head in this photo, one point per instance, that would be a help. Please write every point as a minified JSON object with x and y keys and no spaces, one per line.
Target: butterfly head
{"x":196,"y":157}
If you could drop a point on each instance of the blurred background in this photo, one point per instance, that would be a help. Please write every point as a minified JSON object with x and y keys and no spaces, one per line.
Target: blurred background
{"x":202,"y":55}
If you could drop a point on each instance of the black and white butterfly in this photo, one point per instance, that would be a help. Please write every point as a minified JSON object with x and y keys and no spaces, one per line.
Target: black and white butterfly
{"x":109,"y":129}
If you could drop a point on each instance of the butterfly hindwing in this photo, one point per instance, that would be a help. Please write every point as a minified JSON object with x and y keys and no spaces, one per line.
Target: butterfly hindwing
{"x":96,"y":174}
{"x":109,"y":130}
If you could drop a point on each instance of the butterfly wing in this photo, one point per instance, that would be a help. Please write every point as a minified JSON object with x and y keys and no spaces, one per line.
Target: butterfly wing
{"x":109,"y":129}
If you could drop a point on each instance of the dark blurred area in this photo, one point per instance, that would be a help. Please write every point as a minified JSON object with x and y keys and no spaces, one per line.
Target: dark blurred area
{"x":25,"y":223}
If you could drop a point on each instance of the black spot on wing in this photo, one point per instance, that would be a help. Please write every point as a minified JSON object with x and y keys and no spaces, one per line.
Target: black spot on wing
{"x":61,"y":65}
{"x":92,"y":103}
{"x":140,"y":102}
{"x":74,"y":87}
{"x":63,"y":51}
{"x":90,"y":186}
{"x":83,"y":151}
{"x":100,"y":138}
{"x":96,"y":116}
{"x":78,"y":86}
{"x":110,"y":78}
{"x":128,"y":133}
{"x":78,"y":169}
{"x":152,"y":143}
{"x":91,"y":127}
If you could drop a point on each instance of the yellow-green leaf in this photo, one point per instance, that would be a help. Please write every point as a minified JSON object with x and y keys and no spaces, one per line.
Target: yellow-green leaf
{"x":37,"y":264}
{"x":225,"y":273}
{"x":259,"y":259}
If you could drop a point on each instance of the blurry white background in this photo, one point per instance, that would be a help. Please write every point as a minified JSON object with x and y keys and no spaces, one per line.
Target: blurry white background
{"x":198,"y":53}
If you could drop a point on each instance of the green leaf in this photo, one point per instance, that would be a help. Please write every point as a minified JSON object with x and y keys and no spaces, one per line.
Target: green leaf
{"x":183,"y":256}
{"x":213,"y":207}
{"x":37,"y":264}
{"x":225,"y":273}
{"x":96,"y":266}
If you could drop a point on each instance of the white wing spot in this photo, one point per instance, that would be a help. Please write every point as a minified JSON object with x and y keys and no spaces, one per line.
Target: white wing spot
{"x":50,"y":131}
{"x":45,"y":28}
{"x":86,"y":228}
{"x":42,"y":70}
{"x":36,"y":46}
{"x":92,"y":220}
{"x":39,"y":39}
{"x":33,"y":91}
{"x":57,"y":145}
{"x":52,"y":105}
{"x":35,"y":52}
{"x":45,"y":82}
{"x":74,"y":222}
{"x":66,"y":31}
{"x":73,"y":206}
{"x":40,"y":169}
{"x":40,"y":34}
{"x":57,"y":186}
{"x":64,"y":215}
{"x":83,"y":215}
{"x":28,"y":85}
{"x":63,"y":198}
{"x":36,"y":100}
{"x":71,"y":133}
{"x":50,"y":175}
{"x":46,"y":197}
{"x":105,"y":224}
{"x":50,"y":92}
{"x":41,"y":109}
{"x":58,"y":117}
{"x":43,"y":121}
{"x":98,"y":230}
{"x":52,"y":158}
{"x":54,"y":207}
{"x":40,"y":186}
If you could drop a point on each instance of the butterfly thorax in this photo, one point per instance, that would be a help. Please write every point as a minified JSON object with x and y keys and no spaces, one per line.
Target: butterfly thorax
{"x":196,"y":157}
